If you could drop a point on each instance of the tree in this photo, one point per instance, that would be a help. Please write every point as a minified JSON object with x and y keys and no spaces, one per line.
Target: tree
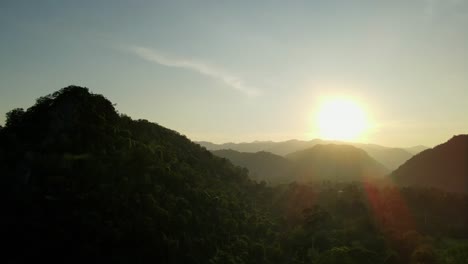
{"x":14,"y":117}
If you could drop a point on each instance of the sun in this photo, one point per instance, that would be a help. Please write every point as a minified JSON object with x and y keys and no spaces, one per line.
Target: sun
{"x":341,"y":119}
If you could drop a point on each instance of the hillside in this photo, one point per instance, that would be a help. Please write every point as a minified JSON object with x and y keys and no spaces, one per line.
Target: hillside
{"x":262,"y":166}
{"x":279,"y":148}
{"x":252,"y":147}
{"x":391,"y":158}
{"x":444,"y":166}
{"x":335,"y":163}
{"x":86,"y":183}
{"x":83,"y":183}
{"x":416,"y":149}
{"x":321,"y":162}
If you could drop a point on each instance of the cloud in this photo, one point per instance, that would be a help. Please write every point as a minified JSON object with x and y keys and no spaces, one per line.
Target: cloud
{"x":229,"y":79}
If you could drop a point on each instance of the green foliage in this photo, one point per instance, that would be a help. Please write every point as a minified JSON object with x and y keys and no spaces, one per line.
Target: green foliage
{"x":452,"y":252}
{"x":85,"y":182}
{"x":347,"y":255}
{"x":13,"y":118}
{"x":82,"y":183}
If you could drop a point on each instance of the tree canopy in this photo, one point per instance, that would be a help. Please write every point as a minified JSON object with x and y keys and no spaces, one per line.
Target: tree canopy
{"x":82,"y":182}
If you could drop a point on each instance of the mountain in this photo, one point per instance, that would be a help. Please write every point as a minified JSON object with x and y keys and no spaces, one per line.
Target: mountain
{"x":279,"y":148}
{"x":336,"y":162}
{"x":285,"y":147}
{"x":262,"y":166}
{"x":444,"y":166}
{"x":331,"y":162}
{"x":241,"y":147}
{"x":83,"y":183}
{"x":389,"y":157}
{"x":416,"y":149}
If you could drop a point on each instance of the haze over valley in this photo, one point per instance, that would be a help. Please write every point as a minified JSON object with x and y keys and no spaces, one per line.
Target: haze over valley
{"x":391,"y":158}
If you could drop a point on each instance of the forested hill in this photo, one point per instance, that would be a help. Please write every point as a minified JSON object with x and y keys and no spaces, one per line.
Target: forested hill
{"x":444,"y":166}
{"x":336,"y":163}
{"x":84,"y":182}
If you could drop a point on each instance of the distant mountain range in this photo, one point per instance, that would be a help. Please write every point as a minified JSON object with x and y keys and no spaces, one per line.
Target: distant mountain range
{"x":318,"y":163}
{"x":336,"y":162}
{"x":391,"y":158}
{"x":261,"y":165}
{"x":444,"y":166}
{"x":416,"y":149}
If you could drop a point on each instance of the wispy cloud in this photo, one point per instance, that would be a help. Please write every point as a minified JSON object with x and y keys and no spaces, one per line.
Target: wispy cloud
{"x":227,"y":78}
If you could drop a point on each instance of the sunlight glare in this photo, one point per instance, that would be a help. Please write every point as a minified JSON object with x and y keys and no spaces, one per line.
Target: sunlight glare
{"x":341,"y":119}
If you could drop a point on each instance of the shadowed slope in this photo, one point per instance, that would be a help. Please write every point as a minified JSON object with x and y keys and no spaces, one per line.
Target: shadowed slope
{"x":86,"y":184}
{"x":391,"y":158}
{"x":262,"y":166}
{"x":445,"y":166}
{"x":336,"y":162}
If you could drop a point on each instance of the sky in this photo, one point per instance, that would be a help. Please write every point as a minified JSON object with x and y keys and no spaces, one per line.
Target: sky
{"x":236,"y":71}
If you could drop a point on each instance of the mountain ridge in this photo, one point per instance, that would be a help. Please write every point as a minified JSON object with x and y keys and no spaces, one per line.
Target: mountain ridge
{"x":321,"y":162}
{"x":445,"y":166}
{"x":83,"y":182}
{"x":262,"y":165}
{"x":391,"y":158}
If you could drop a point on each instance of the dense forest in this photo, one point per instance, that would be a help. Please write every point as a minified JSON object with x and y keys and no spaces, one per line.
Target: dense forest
{"x":84,"y":183}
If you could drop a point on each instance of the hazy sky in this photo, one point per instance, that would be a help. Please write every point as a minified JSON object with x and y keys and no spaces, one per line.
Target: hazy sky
{"x":243,"y":71}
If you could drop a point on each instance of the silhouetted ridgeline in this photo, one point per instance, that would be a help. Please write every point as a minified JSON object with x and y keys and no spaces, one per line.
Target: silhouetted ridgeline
{"x":445,"y":166}
{"x":82,"y":183}
{"x":336,"y":163}
{"x":391,"y":158}
{"x":262,"y":166}
{"x":343,"y":163}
